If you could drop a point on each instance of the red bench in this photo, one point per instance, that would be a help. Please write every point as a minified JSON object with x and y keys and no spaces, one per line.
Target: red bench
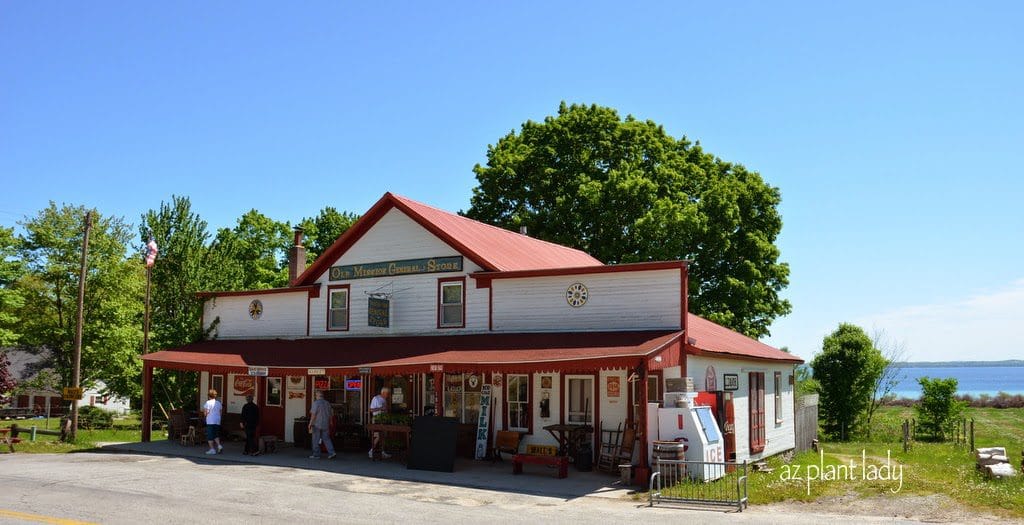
{"x":562,"y":462}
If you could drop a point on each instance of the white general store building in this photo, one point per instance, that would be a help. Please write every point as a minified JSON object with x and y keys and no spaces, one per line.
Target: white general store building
{"x":423,"y":300}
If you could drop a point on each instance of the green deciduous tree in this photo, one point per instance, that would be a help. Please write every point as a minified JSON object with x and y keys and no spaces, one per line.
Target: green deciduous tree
{"x":624,"y":190}
{"x":11,"y":301}
{"x":321,"y":231}
{"x":258,"y":249}
{"x":847,"y":369}
{"x":188,"y":263}
{"x":7,"y":382}
{"x":112,"y":334}
{"x":938,"y":408}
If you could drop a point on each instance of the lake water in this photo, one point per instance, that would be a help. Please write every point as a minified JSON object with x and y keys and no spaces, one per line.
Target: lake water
{"x":974,"y":380}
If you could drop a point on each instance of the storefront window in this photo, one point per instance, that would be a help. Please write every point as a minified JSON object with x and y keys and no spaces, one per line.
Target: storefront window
{"x":347,"y":404}
{"x":462,"y":396}
{"x":519,"y":402}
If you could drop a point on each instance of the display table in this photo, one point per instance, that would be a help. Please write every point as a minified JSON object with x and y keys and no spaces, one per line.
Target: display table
{"x":570,"y":437}
{"x":404,"y":432}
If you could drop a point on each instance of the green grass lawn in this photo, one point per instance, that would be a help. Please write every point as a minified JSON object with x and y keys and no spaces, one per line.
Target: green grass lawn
{"x":126,"y":429}
{"x":928,"y":468}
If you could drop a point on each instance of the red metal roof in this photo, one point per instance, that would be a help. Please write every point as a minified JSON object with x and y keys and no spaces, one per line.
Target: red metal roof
{"x":536,"y":351}
{"x":706,"y":336}
{"x":490,"y":247}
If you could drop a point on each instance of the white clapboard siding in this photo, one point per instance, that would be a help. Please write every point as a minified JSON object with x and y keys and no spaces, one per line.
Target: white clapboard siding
{"x":641,"y":300}
{"x":415,"y":301}
{"x":284,"y":316}
{"x":779,"y":437}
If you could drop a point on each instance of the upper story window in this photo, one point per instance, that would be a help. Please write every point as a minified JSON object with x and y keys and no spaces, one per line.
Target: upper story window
{"x":451,"y":310}
{"x":337,"y":308}
{"x":778,"y":398}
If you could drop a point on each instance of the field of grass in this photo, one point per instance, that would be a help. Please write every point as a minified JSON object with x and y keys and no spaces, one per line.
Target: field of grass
{"x":126,"y":429}
{"x":928,"y":468}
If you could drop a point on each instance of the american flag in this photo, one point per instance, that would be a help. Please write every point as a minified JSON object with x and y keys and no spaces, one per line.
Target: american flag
{"x":151,"y":251}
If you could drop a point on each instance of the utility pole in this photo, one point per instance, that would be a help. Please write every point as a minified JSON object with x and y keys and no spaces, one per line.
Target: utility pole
{"x":78,"y":329}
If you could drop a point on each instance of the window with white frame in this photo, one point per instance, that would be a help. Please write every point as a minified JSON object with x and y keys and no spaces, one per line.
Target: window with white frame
{"x":452,"y":308}
{"x":337,"y":316}
{"x":462,"y":396}
{"x":518,"y":402}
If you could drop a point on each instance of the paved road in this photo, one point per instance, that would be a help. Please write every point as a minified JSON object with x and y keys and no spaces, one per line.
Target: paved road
{"x":129,"y":488}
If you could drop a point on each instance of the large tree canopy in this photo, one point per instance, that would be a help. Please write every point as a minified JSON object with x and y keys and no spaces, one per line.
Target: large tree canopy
{"x":624,"y":190}
{"x":321,"y":231}
{"x":11,"y":269}
{"x":112,"y":333}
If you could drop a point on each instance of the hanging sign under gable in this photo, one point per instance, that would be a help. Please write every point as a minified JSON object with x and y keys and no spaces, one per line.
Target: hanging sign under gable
{"x":378,"y":312}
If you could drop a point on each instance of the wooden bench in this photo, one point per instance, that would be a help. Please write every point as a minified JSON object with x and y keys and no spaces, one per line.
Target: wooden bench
{"x":562,"y":462}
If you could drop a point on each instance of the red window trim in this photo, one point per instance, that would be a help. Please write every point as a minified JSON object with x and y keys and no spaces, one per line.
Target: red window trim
{"x":756,"y":401}
{"x":440,"y":282}
{"x":348,"y":307}
{"x":529,"y":402}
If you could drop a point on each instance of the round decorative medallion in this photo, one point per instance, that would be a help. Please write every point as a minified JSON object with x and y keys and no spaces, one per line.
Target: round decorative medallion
{"x":255,"y":309}
{"x":576,"y":295}
{"x":473,"y":381}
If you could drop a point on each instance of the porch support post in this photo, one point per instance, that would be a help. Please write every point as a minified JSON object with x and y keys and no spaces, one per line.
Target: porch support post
{"x":643,"y":470}
{"x":147,"y":401}
{"x":438,"y":392}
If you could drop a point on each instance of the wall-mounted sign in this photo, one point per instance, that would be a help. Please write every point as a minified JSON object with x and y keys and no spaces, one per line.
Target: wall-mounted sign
{"x":614,"y":389}
{"x":484,"y":421}
{"x":316,"y":372}
{"x":576,"y":295}
{"x":296,"y":382}
{"x":244,"y":385}
{"x":378,"y":312}
{"x":261,"y":371}
{"x":437,"y":368}
{"x":71,"y":393}
{"x":364,"y":370}
{"x":321,"y":384}
{"x":392,"y":268}
{"x":710,"y":379}
{"x":731,"y":382}
{"x":355,"y":384}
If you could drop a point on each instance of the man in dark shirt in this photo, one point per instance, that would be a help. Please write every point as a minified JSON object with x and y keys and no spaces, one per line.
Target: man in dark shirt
{"x":250,"y":420}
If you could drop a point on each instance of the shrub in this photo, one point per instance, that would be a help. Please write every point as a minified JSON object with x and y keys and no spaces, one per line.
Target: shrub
{"x":938,"y":407}
{"x":90,"y":417}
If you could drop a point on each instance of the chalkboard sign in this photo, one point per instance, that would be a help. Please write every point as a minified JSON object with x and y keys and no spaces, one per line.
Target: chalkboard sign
{"x":379,"y":312}
{"x":433,"y":443}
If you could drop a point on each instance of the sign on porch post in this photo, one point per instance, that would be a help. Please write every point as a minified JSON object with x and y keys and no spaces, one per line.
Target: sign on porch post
{"x":483,"y":424}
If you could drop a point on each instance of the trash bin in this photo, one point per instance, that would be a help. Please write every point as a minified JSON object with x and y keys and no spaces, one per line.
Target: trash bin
{"x":584,"y":458}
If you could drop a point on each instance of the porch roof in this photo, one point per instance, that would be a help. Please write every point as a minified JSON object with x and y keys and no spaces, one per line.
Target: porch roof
{"x":475,"y":352}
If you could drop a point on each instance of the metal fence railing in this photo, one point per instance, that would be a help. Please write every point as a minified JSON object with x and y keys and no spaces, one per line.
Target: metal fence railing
{"x":699,"y":483}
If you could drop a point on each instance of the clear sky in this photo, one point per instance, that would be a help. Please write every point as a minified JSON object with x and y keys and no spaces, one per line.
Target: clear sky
{"x":895,"y":130}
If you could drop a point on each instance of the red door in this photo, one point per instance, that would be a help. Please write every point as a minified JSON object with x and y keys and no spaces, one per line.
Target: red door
{"x":272,"y":412}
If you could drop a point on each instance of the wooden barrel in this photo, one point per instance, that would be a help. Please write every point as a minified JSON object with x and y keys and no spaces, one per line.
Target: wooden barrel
{"x":669,"y":450}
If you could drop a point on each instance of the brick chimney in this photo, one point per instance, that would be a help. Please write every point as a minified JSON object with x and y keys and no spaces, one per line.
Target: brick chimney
{"x":296,"y":258}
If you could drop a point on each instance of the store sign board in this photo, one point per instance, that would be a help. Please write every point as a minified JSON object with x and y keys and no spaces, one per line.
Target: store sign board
{"x":354,"y":384}
{"x":316,"y":372}
{"x":71,"y":393}
{"x":378,"y":312}
{"x":393,"y":268}
{"x":321,"y":384}
{"x":483,"y":424}
{"x":364,"y":370}
{"x":260,"y":371}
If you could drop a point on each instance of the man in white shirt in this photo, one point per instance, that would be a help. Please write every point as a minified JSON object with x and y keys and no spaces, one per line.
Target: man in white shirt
{"x":212,"y":410}
{"x":378,"y":407}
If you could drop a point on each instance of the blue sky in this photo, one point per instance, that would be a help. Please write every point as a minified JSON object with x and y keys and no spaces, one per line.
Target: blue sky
{"x":894,"y":130}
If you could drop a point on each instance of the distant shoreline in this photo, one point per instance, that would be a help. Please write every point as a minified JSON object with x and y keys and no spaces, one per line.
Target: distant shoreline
{"x":961,"y":364}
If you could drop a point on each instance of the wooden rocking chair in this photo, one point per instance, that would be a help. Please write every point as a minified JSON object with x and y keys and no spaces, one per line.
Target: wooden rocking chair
{"x":625,"y":453}
{"x":609,"y":448}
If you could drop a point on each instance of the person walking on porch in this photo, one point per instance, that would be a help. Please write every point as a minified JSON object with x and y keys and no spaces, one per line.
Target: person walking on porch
{"x":320,"y":426}
{"x":250,"y":420}
{"x":212,"y":410}
{"x":378,"y":407}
